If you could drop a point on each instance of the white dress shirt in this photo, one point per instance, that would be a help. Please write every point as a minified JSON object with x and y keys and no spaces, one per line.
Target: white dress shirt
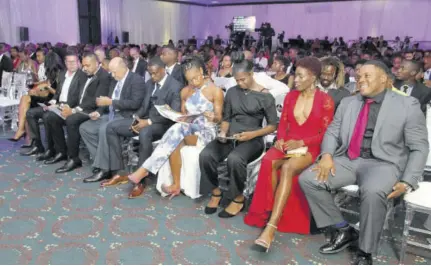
{"x":407,"y":89}
{"x":135,"y":65}
{"x":41,"y":72}
{"x":1,"y":57}
{"x":65,"y":88}
{"x":262,"y":62}
{"x":170,"y":69}
{"x":119,"y":88}
{"x":161,"y":83}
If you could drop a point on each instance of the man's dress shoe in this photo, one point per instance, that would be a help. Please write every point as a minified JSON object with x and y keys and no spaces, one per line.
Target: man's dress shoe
{"x":343,"y":238}
{"x":33,"y":151}
{"x":137,"y":191}
{"x":97,"y":177}
{"x":363,"y":259}
{"x":57,"y":158}
{"x":69,"y":166}
{"x":45,"y":156}
{"x":115,"y":180}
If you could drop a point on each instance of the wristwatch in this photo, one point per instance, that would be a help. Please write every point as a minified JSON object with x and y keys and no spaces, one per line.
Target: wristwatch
{"x":408,"y":187}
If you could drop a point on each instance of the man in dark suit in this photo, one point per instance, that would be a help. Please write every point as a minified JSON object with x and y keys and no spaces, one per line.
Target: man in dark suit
{"x":332,"y":79}
{"x":67,"y":93}
{"x":160,"y":90}
{"x":126,"y":96}
{"x":96,"y":84}
{"x":170,"y":58}
{"x":139,"y":65}
{"x":5,"y":62}
{"x":407,"y":83}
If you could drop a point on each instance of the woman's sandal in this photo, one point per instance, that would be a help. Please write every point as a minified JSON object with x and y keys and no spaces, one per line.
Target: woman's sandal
{"x":262,"y":245}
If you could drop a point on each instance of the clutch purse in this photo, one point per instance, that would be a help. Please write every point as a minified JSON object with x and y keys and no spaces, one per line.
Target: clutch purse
{"x":296,"y":152}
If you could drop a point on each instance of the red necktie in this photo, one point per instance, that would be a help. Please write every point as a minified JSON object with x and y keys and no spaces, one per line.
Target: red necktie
{"x":358,"y":133}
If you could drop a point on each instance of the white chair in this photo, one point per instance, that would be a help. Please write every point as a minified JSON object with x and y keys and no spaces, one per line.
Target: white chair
{"x":14,"y":87}
{"x":417,"y":201}
{"x":352,"y":191}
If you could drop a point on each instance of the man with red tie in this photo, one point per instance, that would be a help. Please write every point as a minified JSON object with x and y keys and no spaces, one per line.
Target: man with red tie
{"x":372,"y":144}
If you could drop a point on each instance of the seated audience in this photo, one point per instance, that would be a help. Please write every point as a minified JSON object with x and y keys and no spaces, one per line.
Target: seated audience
{"x":139,"y":65}
{"x":42,"y":92}
{"x":384,"y":152}
{"x":240,"y":139}
{"x":200,"y":97}
{"x":225,"y":70}
{"x":96,"y":85}
{"x":332,"y":79}
{"x":126,"y":94}
{"x":66,"y":94}
{"x":169,"y":56}
{"x":14,"y":57}
{"x":407,"y":83}
{"x":278,"y":202}
{"x":351,"y":86}
{"x":279,"y":66}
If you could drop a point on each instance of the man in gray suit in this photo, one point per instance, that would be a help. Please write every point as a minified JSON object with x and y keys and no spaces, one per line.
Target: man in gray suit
{"x":372,"y":144}
{"x":127,"y":93}
{"x":149,"y":124}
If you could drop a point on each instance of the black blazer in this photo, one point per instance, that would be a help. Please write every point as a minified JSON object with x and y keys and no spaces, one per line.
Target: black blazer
{"x":177,"y":74}
{"x":419,"y":91}
{"x":168,"y":94}
{"x":5,"y":65}
{"x":132,"y":95}
{"x":337,"y":95}
{"x":141,"y":67}
{"x":75,"y":86}
{"x":98,"y":86}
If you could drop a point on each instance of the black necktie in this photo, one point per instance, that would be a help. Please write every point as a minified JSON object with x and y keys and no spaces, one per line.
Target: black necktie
{"x":157,"y":88}
{"x":405,"y":88}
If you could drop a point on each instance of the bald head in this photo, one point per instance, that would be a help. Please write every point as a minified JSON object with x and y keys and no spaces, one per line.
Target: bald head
{"x":118,"y":68}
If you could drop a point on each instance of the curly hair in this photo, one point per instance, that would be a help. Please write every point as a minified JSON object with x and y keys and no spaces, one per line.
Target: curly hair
{"x":310,"y":63}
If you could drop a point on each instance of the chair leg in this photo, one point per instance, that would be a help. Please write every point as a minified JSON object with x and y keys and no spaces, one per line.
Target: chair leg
{"x":407,"y":222}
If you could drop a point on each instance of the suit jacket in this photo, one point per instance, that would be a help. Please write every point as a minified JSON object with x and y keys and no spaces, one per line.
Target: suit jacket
{"x":177,"y":73}
{"x":131,"y":97}
{"x":98,"y":86}
{"x":420,"y":92}
{"x":168,"y":94}
{"x":75,"y":86}
{"x":337,"y":95}
{"x":141,"y":67}
{"x":5,"y":65}
{"x":400,"y":138}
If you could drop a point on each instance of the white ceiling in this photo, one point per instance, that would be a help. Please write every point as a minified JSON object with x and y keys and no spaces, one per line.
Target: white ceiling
{"x":242,"y":2}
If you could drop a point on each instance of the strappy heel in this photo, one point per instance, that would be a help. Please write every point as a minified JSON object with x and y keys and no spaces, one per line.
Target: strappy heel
{"x":262,"y":245}
{"x":212,"y":210}
{"x":225,"y":214}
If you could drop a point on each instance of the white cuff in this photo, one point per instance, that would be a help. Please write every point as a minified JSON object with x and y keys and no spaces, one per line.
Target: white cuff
{"x":149,"y":122}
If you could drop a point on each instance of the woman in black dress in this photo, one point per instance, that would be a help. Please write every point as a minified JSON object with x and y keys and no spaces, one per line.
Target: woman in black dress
{"x":42,"y":92}
{"x":240,"y":139}
{"x":279,"y":66}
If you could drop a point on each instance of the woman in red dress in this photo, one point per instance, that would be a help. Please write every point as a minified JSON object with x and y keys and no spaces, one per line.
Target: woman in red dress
{"x":278,"y":201}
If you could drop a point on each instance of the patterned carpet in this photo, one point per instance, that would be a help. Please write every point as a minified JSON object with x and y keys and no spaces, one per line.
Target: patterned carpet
{"x":56,"y":219}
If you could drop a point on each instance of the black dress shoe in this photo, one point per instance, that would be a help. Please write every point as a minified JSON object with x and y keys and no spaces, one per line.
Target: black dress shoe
{"x":343,"y":238}
{"x":363,"y":258}
{"x":34,"y":150}
{"x":69,"y":166}
{"x":57,"y":158}
{"x":97,"y":177}
{"x":27,"y":146}
{"x":96,"y":170}
{"x":45,"y":156}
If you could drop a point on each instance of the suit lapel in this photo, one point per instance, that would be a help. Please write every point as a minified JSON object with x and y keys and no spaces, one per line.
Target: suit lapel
{"x":72,"y":87}
{"x":125,"y":85}
{"x":164,"y":88}
{"x":384,"y":111}
{"x":356,"y":107}
{"x":416,"y":92}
